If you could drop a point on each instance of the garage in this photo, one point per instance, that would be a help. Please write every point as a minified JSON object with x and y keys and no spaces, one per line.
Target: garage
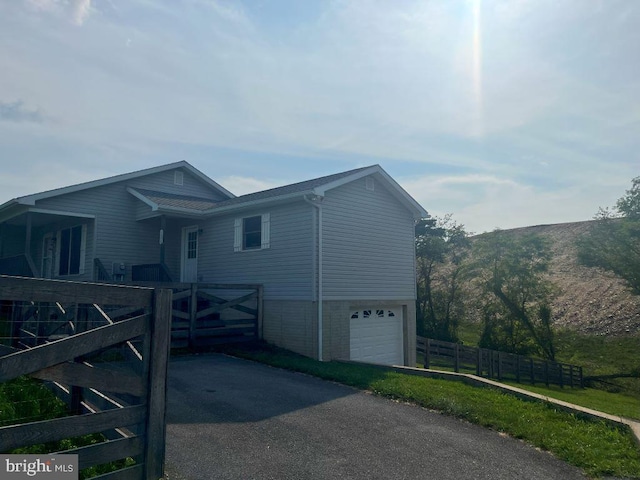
{"x":376,"y":335}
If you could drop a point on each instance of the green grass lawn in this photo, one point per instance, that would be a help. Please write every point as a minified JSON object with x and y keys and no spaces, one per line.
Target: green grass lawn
{"x":608,"y":402}
{"x":596,"y":447}
{"x":598,"y":355}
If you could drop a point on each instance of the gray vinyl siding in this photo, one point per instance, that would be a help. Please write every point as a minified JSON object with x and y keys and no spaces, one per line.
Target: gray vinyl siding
{"x":163,"y":182}
{"x":285,"y":269}
{"x":120,"y":238}
{"x":368,"y":245}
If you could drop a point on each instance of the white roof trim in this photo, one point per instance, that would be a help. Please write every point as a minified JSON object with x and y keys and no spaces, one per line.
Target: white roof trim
{"x":321,"y":190}
{"x":139,"y":196}
{"x":32,"y":199}
{"x":44,"y":211}
{"x":396,"y":189}
{"x":61,"y":213}
{"x":254,"y":203}
{"x":399,"y":192}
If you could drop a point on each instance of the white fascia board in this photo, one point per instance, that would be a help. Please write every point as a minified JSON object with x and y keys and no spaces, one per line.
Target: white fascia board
{"x":418,"y":210}
{"x":400,"y":193}
{"x":32,"y":199}
{"x":208,"y":180}
{"x":44,"y":211}
{"x":188,"y":211}
{"x":256,"y":203}
{"x":344,"y":180}
{"x":61,"y":213}
{"x":9,"y":204}
{"x":143,"y":199}
{"x":14,"y":212}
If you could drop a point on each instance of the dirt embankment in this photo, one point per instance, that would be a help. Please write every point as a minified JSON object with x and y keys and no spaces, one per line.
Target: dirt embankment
{"x":590,"y":300}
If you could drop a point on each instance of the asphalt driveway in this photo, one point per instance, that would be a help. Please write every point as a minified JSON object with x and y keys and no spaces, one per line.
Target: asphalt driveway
{"x":235,"y":419}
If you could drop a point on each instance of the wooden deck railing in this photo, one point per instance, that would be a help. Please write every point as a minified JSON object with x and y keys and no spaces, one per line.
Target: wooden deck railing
{"x":100,"y":273}
{"x":152,"y":272}
{"x":18,"y":265}
{"x":104,"y":350}
{"x":496,"y":364}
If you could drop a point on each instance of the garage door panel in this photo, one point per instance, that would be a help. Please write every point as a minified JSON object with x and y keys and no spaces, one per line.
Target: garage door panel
{"x":376,"y":336}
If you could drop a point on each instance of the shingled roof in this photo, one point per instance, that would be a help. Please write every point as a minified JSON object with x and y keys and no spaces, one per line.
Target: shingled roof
{"x":300,"y":187}
{"x":171,"y":200}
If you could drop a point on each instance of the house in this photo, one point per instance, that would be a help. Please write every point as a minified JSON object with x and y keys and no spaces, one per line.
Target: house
{"x":335,"y":254}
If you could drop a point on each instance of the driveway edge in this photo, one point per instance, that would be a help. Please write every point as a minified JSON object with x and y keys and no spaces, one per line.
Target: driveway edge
{"x":476,"y":381}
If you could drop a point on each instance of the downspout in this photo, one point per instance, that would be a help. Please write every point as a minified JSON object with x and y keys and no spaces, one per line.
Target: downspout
{"x":316,"y":202}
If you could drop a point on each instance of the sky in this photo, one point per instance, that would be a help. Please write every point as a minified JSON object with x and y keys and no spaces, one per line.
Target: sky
{"x":501,"y":113}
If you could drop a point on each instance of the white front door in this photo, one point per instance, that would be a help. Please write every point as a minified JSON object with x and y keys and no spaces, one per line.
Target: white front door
{"x":189,"y":271}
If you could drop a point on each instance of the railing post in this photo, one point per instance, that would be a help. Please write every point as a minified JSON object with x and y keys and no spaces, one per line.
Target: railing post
{"x":571,"y":376}
{"x":456,"y":359}
{"x":546,"y":373}
{"x":193,"y":313}
{"x":260,"y":307}
{"x":581,"y":377}
{"x":532,"y":371}
{"x":479,"y":362}
{"x":518,"y":368}
{"x":427,"y":347}
{"x":499,"y":365}
{"x":561,"y":375}
{"x":158,"y":360}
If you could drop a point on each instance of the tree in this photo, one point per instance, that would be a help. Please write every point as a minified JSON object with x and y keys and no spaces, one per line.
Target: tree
{"x":613,"y":243}
{"x":516,"y":309}
{"x":442,"y":245}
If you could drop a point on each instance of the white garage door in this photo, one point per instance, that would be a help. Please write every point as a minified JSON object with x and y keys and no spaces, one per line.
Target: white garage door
{"x":376,"y":336}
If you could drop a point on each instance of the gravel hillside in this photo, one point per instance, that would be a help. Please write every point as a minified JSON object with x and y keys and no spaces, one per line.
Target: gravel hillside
{"x":590,"y":300}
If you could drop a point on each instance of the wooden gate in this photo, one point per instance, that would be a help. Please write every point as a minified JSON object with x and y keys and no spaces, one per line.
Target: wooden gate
{"x":94,"y":345}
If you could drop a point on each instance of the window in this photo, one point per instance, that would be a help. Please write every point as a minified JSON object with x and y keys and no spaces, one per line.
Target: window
{"x":178,"y":178}
{"x":71,"y":242}
{"x":252,"y":233}
{"x":192,"y":244}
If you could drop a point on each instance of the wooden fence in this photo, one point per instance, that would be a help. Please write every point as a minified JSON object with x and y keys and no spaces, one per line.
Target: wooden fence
{"x":104,"y":350}
{"x":207,"y":314}
{"x":496,"y":364}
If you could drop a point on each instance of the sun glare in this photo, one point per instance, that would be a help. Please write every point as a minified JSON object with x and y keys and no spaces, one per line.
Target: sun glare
{"x":477,"y":69}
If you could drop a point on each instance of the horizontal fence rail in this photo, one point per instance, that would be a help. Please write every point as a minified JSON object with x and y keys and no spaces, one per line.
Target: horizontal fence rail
{"x":208,"y":314}
{"x":93,"y":346}
{"x":495,"y":364}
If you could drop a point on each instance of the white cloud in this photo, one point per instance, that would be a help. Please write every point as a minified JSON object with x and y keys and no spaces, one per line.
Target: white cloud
{"x":76,"y":11}
{"x":80,"y":10}
{"x":483,"y":203}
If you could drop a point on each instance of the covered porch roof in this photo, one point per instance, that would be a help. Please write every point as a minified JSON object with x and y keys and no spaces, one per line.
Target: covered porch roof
{"x":23,"y":216}
{"x":171,"y":204}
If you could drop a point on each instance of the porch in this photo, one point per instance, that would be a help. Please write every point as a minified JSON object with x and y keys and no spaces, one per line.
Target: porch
{"x":71,"y":246}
